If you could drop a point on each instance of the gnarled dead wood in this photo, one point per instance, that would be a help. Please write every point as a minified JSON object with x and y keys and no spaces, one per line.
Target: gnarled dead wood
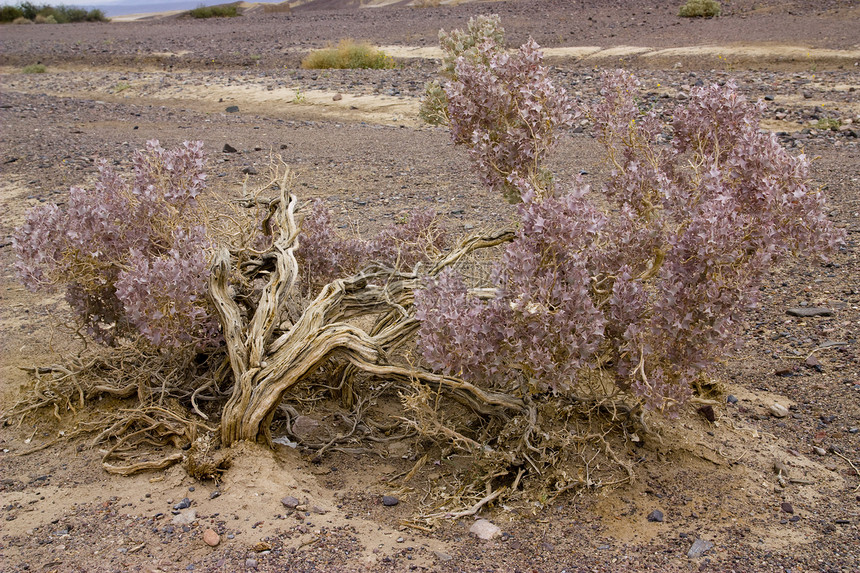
{"x":266,"y":366}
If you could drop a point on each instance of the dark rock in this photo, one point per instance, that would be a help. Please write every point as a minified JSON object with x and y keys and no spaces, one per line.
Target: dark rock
{"x":389,"y":500}
{"x":656,"y":516}
{"x":337,"y":97}
{"x":731,"y":399}
{"x":249,"y":170}
{"x":708,"y":412}
{"x":229,"y":148}
{"x":232,"y":109}
{"x":809,"y":311}
{"x":786,"y":507}
{"x":185,"y":503}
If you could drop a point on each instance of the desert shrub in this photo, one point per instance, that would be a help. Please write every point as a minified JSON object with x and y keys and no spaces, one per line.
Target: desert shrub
{"x":34,"y":69}
{"x":221,"y":11}
{"x":10,"y":13}
{"x":646,"y":286}
{"x":506,"y":111}
{"x":828,"y":123}
{"x":47,"y":14}
{"x":131,"y":255}
{"x":455,"y":44}
{"x":21,"y":20}
{"x":700,"y":9}
{"x":348,"y":54}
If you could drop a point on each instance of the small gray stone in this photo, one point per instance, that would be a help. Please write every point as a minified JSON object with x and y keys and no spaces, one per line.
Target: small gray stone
{"x":337,"y":97}
{"x":304,"y":426}
{"x":699,"y":548}
{"x":656,"y":516}
{"x":819,"y":450}
{"x":290,"y":502}
{"x":186,"y":517}
{"x":232,"y":109}
{"x":389,"y":500}
{"x":442,"y":556}
{"x":809,"y":311}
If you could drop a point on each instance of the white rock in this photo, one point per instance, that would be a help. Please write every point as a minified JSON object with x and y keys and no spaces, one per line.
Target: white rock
{"x":778,"y":410}
{"x":186,"y":517}
{"x":483,"y":529}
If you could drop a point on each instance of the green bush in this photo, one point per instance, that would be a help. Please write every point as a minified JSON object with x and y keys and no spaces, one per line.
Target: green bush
{"x":28,"y":13}
{"x":700,"y":9}
{"x":10,"y":13}
{"x":222,"y":11}
{"x":34,"y":69}
{"x":348,"y":55}
{"x":828,"y":123}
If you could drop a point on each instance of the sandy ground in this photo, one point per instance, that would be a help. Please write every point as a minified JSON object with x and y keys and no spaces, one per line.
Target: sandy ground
{"x":355,"y":142}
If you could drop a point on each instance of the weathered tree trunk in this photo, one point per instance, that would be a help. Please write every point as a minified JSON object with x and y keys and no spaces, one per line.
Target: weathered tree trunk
{"x":265,"y":368}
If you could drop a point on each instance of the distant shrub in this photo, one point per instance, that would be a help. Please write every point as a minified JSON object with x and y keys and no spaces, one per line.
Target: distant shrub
{"x":34,"y":69}
{"x":29,"y":13}
{"x":700,"y":9}
{"x":10,"y":14}
{"x":222,"y":11}
{"x":348,"y":55}
{"x":828,"y":123}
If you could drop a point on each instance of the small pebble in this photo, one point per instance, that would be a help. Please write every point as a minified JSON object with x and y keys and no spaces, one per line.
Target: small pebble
{"x":656,"y":516}
{"x":389,"y":500}
{"x":211,"y":538}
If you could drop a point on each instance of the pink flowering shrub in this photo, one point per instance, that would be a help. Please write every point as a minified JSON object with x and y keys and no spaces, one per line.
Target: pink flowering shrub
{"x":645,"y":280}
{"x":131,"y":255}
{"x":324,"y":255}
{"x":507,"y":112}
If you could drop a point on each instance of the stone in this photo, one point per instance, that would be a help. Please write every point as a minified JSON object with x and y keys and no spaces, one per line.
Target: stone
{"x":184,"y":504}
{"x":483,"y":529}
{"x":731,"y":399}
{"x":655,"y":516}
{"x":786,"y":507}
{"x":699,"y":548}
{"x":778,"y":410}
{"x":819,"y":450}
{"x":442,"y":556}
{"x":809,"y":311}
{"x":211,"y":538}
{"x":337,"y":97}
{"x":290,"y":502}
{"x":389,"y":500}
{"x":304,"y":426}
{"x":186,"y":517}
{"x":232,"y":109}
{"x":229,"y":149}
{"x":249,"y":170}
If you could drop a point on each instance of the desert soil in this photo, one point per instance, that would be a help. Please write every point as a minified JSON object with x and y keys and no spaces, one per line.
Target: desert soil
{"x":111,"y":87}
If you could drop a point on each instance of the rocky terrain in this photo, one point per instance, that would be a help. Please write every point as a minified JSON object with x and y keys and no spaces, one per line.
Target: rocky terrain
{"x":770,"y":485}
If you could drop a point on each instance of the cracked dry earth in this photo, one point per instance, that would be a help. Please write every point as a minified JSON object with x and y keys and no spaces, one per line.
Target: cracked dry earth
{"x":758,"y":489}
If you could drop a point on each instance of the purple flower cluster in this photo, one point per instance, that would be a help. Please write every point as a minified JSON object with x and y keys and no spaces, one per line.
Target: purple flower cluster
{"x":505,"y":109}
{"x":132,"y":256}
{"x":324,"y":255}
{"x":645,"y":280}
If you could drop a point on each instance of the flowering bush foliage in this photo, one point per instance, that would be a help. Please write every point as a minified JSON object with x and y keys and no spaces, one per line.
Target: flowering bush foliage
{"x":459,"y":44}
{"x":505,"y":109}
{"x":646,"y":281}
{"x":131,"y":255}
{"x":324,"y":256}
